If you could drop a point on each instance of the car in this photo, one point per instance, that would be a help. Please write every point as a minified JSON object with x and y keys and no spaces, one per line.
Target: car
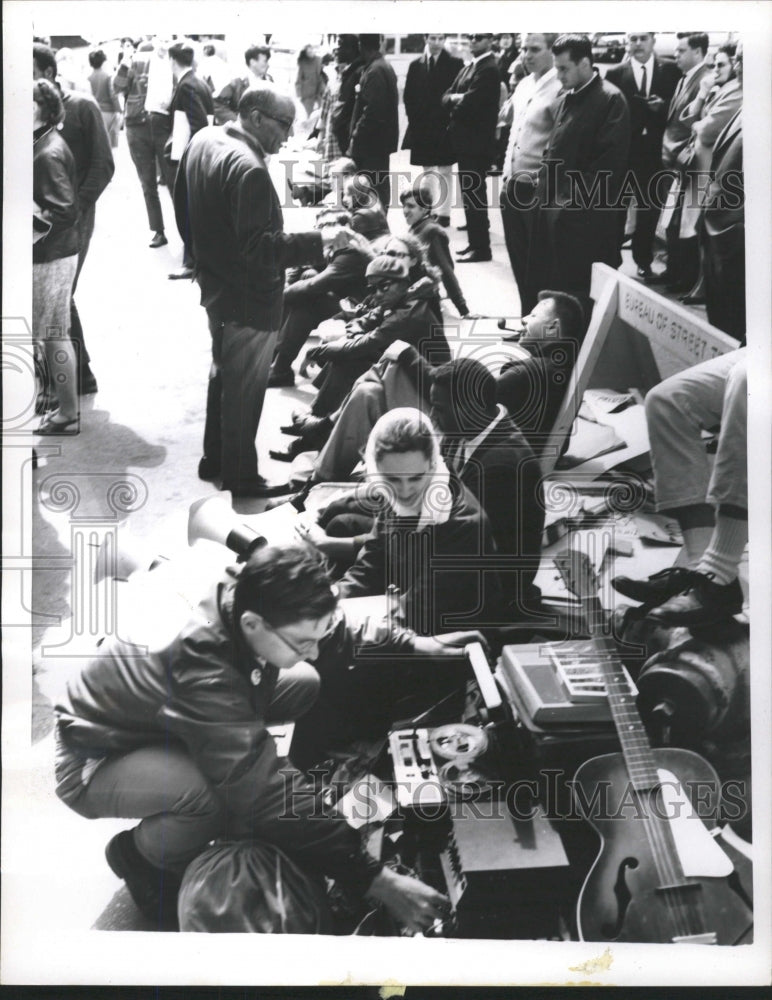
{"x":609,"y":47}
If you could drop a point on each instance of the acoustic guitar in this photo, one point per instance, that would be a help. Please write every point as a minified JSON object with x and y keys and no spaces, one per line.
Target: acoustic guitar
{"x":661,"y":875}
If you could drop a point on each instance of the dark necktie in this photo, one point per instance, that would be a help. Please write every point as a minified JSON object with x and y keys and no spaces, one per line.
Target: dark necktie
{"x":642,"y":88}
{"x":431,"y":63}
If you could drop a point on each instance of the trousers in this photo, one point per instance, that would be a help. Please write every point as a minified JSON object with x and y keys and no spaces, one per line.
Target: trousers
{"x":472,"y":173}
{"x":86,"y":219}
{"x":518,"y":208}
{"x":677,"y":411}
{"x":139,"y":136}
{"x":160,"y":784}
{"x":238,"y":378}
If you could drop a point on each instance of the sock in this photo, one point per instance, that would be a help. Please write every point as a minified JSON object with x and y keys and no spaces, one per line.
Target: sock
{"x":696,"y":541}
{"x":723,"y":554}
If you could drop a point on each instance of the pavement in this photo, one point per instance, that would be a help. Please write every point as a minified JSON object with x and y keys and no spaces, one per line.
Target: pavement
{"x":150,"y":350}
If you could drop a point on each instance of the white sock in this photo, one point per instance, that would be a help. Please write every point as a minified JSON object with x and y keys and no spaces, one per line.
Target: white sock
{"x":696,"y":541}
{"x":723,"y":554}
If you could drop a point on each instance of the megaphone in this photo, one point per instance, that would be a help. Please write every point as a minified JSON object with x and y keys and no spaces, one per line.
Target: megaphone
{"x":213,"y":518}
{"x":514,"y":332}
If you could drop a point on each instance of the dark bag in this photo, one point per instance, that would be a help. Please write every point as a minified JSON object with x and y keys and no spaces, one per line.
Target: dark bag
{"x":249,"y":887}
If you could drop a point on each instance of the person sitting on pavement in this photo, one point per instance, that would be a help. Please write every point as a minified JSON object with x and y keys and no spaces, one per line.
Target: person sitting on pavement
{"x":176,"y":737}
{"x":711,"y":507}
{"x":417,"y":207}
{"x":315,"y":296}
{"x":367,"y":216}
{"x":407,"y":314}
{"x":533,"y":389}
{"x":226,"y":102}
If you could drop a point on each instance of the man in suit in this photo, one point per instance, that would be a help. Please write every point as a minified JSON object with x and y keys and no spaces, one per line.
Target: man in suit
{"x":228,"y":211}
{"x":350,"y":68}
{"x":427,"y":136}
{"x":721,"y":230}
{"x":533,"y":103}
{"x":682,"y":255}
{"x":193,"y":98}
{"x":648,"y":85}
{"x":581,"y":177}
{"x":473,"y":99}
{"x":83,"y":129}
{"x":374,"y":121}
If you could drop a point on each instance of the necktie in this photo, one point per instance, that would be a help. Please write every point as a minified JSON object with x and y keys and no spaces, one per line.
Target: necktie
{"x":431,"y":63}
{"x":676,"y":95}
{"x":642,"y":88}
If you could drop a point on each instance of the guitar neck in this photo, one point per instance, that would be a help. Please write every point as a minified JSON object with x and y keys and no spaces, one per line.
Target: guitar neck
{"x":632,"y":734}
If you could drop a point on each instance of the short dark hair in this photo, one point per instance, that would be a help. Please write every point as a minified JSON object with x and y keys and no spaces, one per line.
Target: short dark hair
{"x":471,"y":385}
{"x":578,"y":47}
{"x":256,"y":50}
{"x":569,"y":312}
{"x":284,"y":585}
{"x":182,"y":53}
{"x":44,"y":57}
{"x":730,"y":49}
{"x":97,"y":58}
{"x":46,"y":96}
{"x":209,"y":50}
{"x":369,"y":43}
{"x":696,"y":39}
{"x":347,"y":47}
{"x":550,"y":37}
{"x":421,"y":195}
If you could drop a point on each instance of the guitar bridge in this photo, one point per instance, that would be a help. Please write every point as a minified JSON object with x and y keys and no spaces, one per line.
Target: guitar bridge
{"x":709,"y":937}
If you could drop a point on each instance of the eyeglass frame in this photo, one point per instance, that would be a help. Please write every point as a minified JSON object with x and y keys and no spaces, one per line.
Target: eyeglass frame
{"x":299,"y":651}
{"x":288,"y":125}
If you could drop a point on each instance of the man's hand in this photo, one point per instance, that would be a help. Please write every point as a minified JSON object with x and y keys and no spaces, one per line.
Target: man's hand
{"x":706,"y":83}
{"x":413,"y":904}
{"x":336,"y":237}
{"x":451,"y":644}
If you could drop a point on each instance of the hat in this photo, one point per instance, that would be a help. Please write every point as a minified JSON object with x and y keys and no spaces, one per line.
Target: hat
{"x":387,"y":267}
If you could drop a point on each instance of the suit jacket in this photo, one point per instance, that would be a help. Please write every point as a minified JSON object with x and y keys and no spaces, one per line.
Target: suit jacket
{"x":427,"y":134}
{"x":678,"y":132}
{"x":192,"y":96}
{"x":343,"y":108}
{"x":646,"y":126}
{"x":724,"y":207}
{"x":374,"y":121}
{"x":473,"y":119}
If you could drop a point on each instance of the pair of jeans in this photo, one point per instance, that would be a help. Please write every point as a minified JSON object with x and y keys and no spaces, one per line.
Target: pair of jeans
{"x":238,"y":379}
{"x":139,"y":136}
{"x":161,"y":785}
{"x":677,"y":411}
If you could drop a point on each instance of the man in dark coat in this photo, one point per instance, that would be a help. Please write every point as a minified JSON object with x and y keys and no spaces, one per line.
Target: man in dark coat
{"x":374,"y":121}
{"x":228,"y":211}
{"x":351,"y":66}
{"x":176,"y":736}
{"x":581,"y":177}
{"x":428,"y":136}
{"x":473,"y":100}
{"x":648,"y":84}
{"x":722,"y":230}
{"x":83,"y":129}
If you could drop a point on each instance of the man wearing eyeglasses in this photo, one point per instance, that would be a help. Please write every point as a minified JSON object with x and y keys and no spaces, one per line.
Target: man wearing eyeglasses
{"x":176,"y":736}
{"x":648,"y":84}
{"x":228,"y":213}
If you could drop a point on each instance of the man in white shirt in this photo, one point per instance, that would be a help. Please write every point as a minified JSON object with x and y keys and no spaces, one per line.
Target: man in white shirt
{"x":533,"y":104}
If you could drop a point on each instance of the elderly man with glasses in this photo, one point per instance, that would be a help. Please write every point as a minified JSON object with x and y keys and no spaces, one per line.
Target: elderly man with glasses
{"x":228,"y":214}
{"x":176,"y":735}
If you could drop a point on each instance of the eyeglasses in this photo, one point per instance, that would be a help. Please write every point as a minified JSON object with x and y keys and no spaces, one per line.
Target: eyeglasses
{"x":396,"y":253}
{"x":380,"y":286}
{"x":638,"y":38}
{"x":286,"y":123}
{"x":303,"y":647}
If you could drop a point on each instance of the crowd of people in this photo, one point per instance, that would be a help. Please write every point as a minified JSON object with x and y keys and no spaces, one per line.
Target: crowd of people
{"x":446,"y":504}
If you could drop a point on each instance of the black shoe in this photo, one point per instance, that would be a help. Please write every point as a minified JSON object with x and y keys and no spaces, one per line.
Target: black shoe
{"x":475,"y":257}
{"x":461,"y":229}
{"x":703,"y":603}
{"x":87,"y":384}
{"x":258,"y":487}
{"x":158,"y":240}
{"x":278,"y":379}
{"x":291,"y":453}
{"x":181,"y":274}
{"x":208,"y":469}
{"x":693,"y":300}
{"x":154,"y":890}
{"x":466,"y":249}
{"x":645,"y":274}
{"x":444,"y":221}
{"x":658,"y":588}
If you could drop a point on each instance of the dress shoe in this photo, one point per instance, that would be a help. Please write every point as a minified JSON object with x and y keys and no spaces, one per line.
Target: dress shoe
{"x":257,"y":487}
{"x":208,"y":469}
{"x":281,"y":378}
{"x":158,"y":240}
{"x":444,"y":221}
{"x":702,"y":603}
{"x":154,"y":890}
{"x":658,"y":588}
{"x":645,"y":274}
{"x":464,"y":250}
{"x":181,"y":274}
{"x":693,"y":300}
{"x":475,"y":257}
{"x":461,"y":229}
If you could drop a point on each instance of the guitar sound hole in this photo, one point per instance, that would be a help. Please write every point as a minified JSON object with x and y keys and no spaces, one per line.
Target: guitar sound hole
{"x":623,"y":897}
